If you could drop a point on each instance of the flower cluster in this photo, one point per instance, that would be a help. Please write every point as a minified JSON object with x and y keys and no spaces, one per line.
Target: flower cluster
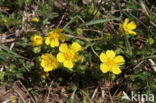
{"x":68,"y":54}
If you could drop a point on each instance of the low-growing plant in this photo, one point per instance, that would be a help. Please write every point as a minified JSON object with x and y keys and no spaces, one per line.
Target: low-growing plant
{"x":79,"y":44}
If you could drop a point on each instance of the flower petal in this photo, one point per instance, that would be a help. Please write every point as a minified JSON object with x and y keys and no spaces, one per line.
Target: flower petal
{"x":125,"y":23}
{"x":44,"y":56}
{"x":103,"y":57}
{"x":131,"y":25}
{"x":43,"y":63}
{"x":110,"y":54}
{"x":76,"y":47}
{"x":119,"y":60}
{"x":68,"y":64}
{"x":54,"y":43}
{"x":60,"y":57}
{"x":131,"y":32}
{"x":47,"y":69}
{"x":116,"y":70}
{"x":63,"y":47}
{"x":104,"y":68}
{"x":47,"y":40}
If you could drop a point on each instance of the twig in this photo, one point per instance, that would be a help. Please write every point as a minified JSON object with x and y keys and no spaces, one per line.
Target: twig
{"x":70,"y":22}
{"x":11,"y":46}
{"x":26,"y":91}
{"x":110,"y":96}
{"x":138,"y":64}
{"x":1,"y":68}
{"x":20,"y":96}
{"x":49,"y":90}
{"x":64,"y":15}
{"x":7,"y":41}
{"x":102,"y":92}
{"x":73,"y":94}
{"x":20,"y":89}
{"x":95,"y":91}
{"x":94,"y":51}
{"x":152,"y":64}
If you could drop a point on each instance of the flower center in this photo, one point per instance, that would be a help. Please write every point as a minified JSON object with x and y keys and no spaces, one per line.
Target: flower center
{"x":54,"y":36}
{"x":70,"y":55}
{"x":37,"y":39}
{"x":49,"y":62}
{"x":110,"y":62}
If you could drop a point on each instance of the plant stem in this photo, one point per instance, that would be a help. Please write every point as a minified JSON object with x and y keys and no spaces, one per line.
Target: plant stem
{"x":128,"y":46}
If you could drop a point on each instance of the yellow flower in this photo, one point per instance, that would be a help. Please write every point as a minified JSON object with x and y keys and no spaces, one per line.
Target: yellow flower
{"x":68,"y":54}
{"x":35,"y":19}
{"x":36,"y":40}
{"x":128,"y":27}
{"x":54,"y":37}
{"x":48,"y":62}
{"x":111,"y":62}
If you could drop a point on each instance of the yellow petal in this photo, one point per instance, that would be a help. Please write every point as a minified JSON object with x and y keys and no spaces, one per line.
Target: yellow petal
{"x":54,"y":43}
{"x":119,"y":60}
{"x":42,"y":63}
{"x":125,"y":22}
{"x":47,"y":69}
{"x":116,"y":70}
{"x":104,"y":68}
{"x":63,"y":47}
{"x":131,"y":25}
{"x":76,"y":47}
{"x":110,"y":54}
{"x":68,"y":64}
{"x":131,"y":32}
{"x":44,"y":56}
{"x":103,"y":57}
{"x":35,"y":19}
{"x":60,"y":57}
{"x":47,"y":40}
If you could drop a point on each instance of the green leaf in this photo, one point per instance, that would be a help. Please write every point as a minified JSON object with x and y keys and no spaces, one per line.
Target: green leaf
{"x":93,"y":22}
{"x":2,"y":75}
{"x":11,"y":53}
